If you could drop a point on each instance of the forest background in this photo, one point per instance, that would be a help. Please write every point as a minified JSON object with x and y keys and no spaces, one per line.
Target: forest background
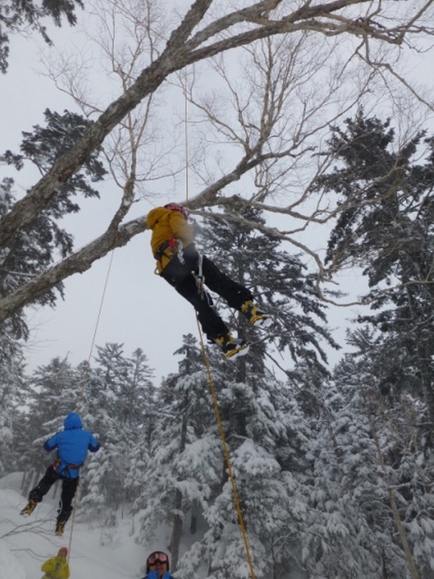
{"x":308,"y":156}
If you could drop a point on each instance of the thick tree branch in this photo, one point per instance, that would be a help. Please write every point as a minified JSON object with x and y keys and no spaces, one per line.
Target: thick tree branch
{"x":78,"y":262}
{"x":179,"y":53}
{"x":188,"y":44}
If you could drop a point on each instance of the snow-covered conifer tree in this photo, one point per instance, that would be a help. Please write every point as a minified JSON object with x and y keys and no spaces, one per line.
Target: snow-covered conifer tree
{"x":266,"y":461}
{"x":279,"y":281}
{"x":117,"y":405}
{"x":12,"y":388}
{"x":54,"y":392}
{"x":185,"y":461}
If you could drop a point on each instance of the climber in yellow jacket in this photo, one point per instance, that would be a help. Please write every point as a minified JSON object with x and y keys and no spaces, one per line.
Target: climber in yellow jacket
{"x":57,"y":567}
{"x":179,"y":263}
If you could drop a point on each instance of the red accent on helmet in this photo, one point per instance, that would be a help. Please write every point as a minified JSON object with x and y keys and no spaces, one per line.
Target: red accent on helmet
{"x":157,"y":556}
{"x":63,"y":551}
{"x":176,"y":207}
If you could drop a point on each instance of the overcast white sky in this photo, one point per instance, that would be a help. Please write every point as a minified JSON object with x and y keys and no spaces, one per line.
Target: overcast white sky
{"x":139,"y":310}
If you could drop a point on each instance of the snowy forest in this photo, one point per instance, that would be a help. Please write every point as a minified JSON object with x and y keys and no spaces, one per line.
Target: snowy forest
{"x":313,"y":128}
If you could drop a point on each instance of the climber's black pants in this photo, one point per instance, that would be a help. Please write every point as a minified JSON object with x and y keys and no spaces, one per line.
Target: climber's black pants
{"x":180,"y":276}
{"x":69,"y":486}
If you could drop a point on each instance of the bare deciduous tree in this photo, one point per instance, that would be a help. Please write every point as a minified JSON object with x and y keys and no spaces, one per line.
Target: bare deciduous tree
{"x":302,"y":68}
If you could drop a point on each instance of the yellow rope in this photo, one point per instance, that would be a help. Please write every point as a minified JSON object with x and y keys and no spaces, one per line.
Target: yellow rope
{"x":211,"y":382}
{"x":227,"y":457}
{"x":186,"y":142}
{"x":83,"y":387}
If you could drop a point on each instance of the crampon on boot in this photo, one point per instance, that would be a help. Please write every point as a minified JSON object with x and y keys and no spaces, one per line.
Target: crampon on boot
{"x":29,"y":508}
{"x":232,"y":347}
{"x":60,"y":527}
{"x":255,"y":316}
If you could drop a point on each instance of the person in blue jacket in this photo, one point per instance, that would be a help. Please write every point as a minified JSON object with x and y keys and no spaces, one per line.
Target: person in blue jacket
{"x":72,"y":445}
{"x":157,"y":566}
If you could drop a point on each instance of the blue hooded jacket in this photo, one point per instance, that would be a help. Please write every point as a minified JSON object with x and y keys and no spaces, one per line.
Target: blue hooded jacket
{"x":72,"y":445}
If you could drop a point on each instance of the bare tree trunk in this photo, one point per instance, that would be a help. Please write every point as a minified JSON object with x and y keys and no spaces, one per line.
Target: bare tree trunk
{"x":397,"y":518}
{"x":384,"y":570}
{"x":26,"y":482}
{"x":426,"y":376}
{"x":177,"y":506}
{"x":193,"y":520}
{"x":177,"y":530}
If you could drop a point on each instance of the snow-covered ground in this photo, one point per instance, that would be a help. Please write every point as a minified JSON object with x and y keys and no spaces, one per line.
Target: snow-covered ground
{"x":96,"y":552}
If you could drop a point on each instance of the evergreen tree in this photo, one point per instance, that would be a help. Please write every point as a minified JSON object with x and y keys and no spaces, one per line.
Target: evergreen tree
{"x":16,"y":16}
{"x":266,"y":431}
{"x":12,"y":384}
{"x":111,"y":375}
{"x":39,"y":244}
{"x":386,"y":224}
{"x":280,"y":282}
{"x":136,"y":410}
{"x":271,"y":475}
{"x":52,"y":394}
{"x":118,"y":398}
{"x":398,"y":429}
{"x":185,"y":456}
{"x":351,"y":530}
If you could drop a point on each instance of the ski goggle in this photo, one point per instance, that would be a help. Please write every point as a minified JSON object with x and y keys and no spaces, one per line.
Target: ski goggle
{"x":157,"y":557}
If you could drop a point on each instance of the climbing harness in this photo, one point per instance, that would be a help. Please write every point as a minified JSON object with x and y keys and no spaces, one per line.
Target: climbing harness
{"x":170,"y":248}
{"x":168,"y":244}
{"x":200,"y":283}
{"x":65,"y":472}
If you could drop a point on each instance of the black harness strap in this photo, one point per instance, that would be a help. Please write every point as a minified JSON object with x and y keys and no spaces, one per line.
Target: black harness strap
{"x":160,"y":251}
{"x":174,"y":246}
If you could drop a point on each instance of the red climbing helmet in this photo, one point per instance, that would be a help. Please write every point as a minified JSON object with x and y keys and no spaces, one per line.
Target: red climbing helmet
{"x":63,"y":551}
{"x":176,"y":207}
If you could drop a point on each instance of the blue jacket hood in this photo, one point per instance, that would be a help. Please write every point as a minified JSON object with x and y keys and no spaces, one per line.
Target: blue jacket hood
{"x":72,"y":421}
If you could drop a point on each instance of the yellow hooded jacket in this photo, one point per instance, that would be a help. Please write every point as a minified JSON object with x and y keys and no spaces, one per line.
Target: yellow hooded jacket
{"x":165,"y":224}
{"x":56,"y":568}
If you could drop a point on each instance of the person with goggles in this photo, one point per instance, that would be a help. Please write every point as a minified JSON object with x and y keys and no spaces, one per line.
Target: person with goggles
{"x":157,"y":566}
{"x":179,"y":263}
